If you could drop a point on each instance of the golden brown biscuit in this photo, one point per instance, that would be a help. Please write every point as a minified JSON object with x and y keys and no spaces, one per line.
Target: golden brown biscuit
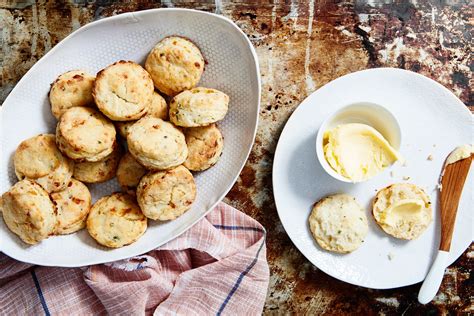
{"x":59,"y":178}
{"x":157,"y":144}
{"x":99,"y":171}
{"x":84,"y":134}
{"x":166,"y":195}
{"x":129,"y":173}
{"x":123,"y":91}
{"x":157,"y":108}
{"x":71,"y":89}
{"x":175,"y":64}
{"x":402,"y":210}
{"x":205,"y":145}
{"x":116,"y":220}
{"x":338,"y":223}
{"x":198,"y":107}
{"x":38,"y":159}
{"x":72,"y":204}
{"x":28,"y":212}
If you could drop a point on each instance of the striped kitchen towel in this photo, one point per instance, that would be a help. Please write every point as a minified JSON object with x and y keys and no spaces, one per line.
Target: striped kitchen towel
{"x":218,"y":267}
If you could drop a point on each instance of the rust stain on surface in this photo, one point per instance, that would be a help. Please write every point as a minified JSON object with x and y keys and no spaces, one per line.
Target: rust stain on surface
{"x":311,"y":43}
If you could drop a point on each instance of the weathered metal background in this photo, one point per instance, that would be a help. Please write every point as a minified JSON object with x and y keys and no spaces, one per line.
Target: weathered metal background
{"x":301,"y":46}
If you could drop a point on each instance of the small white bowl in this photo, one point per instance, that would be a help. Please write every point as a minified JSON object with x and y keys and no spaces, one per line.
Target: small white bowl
{"x":367,"y":113}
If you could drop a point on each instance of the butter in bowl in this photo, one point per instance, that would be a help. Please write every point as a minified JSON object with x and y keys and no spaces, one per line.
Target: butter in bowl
{"x":358,"y":142}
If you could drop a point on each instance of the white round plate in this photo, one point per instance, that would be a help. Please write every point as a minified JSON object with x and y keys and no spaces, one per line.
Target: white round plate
{"x":433,"y":122}
{"x":232,"y":67}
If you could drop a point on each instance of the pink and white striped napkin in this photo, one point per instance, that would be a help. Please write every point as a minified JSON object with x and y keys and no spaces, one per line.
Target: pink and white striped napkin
{"x":218,"y":267}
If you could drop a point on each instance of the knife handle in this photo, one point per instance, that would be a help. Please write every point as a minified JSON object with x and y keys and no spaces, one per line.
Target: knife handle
{"x":433,"y":279}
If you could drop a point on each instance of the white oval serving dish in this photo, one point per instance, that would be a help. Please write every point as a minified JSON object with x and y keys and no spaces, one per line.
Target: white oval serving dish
{"x":232,"y":67}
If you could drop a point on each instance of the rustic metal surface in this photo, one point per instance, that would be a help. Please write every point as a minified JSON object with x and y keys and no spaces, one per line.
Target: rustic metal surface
{"x":301,"y":46}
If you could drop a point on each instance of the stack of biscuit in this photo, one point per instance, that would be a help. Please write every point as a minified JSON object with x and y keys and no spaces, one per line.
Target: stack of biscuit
{"x":154,"y":171}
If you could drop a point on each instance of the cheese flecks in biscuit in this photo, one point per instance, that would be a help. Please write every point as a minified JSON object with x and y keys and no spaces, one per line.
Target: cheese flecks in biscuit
{"x":71,"y":89}
{"x":123,"y":91}
{"x":166,"y":195}
{"x":99,"y":171}
{"x":175,"y":64}
{"x":38,"y":158}
{"x":59,"y":178}
{"x":157,"y":144}
{"x":205,"y":145}
{"x":157,"y":108}
{"x":129,"y":173}
{"x":72,"y":204}
{"x":198,"y":107}
{"x":338,"y":223}
{"x":402,"y":210}
{"x":28,"y":212}
{"x":116,"y":220}
{"x":84,"y":134}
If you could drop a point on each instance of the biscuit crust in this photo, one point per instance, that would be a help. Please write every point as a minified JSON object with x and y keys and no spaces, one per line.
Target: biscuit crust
{"x":36,"y":156}
{"x":157,"y":108}
{"x":28,"y":212}
{"x":407,"y":227}
{"x":129,"y":173}
{"x":123,"y":91}
{"x":198,"y":107}
{"x":166,"y":195}
{"x":157,"y":144}
{"x":39,"y":159}
{"x":205,"y":145}
{"x":72,"y":204}
{"x":175,"y":64}
{"x":84,"y":134}
{"x":71,"y":89}
{"x":59,"y":178}
{"x":338,"y":223}
{"x":99,"y":171}
{"x":116,"y":220}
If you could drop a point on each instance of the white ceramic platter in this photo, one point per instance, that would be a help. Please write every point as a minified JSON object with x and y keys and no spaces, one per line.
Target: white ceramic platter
{"x":433,"y":122}
{"x":232,"y":67}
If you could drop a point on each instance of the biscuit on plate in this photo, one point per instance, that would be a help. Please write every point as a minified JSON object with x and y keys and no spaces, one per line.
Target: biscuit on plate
{"x":123,"y":90}
{"x":157,"y":108}
{"x":84,"y":134}
{"x":72,"y":204}
{"x":402,"y":210}
{"x":205,"y":145}
{"x":116,"y":220}
{"x":175,"y":64}
{"x":157,"y":144}
{"x":198,"y":107}
{"x":338,"y":223}
{"x":129,"y":173}
{"x":166,"y":195}
{"x":28,"y":212}
{"x":99,"y":171}
{"x":37,"y":158}
{"x":71,"y":89}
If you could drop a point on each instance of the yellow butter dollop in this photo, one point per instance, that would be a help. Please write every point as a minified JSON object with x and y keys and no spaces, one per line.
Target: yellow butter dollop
{"x":403,"y":210}
{"x":461,"y":152}
{"x":357,"y":151}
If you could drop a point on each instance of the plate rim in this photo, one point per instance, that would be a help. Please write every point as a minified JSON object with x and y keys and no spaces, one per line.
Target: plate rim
{"x":278,"y":149}
{"x":135,"y":16}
